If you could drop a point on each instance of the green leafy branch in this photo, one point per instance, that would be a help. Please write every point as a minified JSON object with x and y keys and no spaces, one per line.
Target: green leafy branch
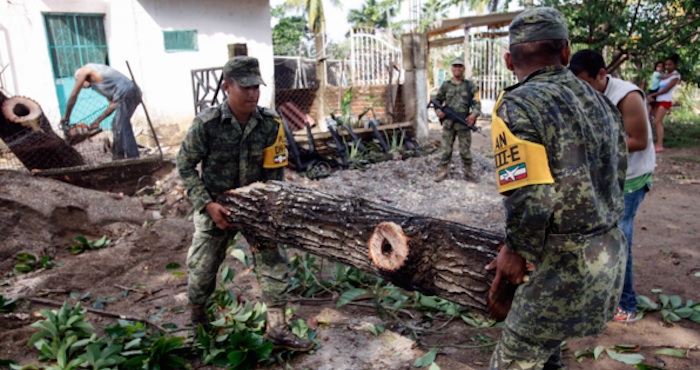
{"x":351,"y":285}
{"x":235,"y":336}
{"x":62,"y":335}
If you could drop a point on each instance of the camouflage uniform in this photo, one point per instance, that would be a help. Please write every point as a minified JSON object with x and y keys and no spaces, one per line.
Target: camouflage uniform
{"x":231,"y":156}
{"x":568,"y":228}
{"x":463,"y":98}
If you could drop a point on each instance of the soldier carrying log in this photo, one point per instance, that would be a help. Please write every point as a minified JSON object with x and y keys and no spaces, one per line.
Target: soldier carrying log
{"x":561,"y":159}
{"x":237,"y":144}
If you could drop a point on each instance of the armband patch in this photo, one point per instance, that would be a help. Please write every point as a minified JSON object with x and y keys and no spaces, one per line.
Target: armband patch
{"x":518,"y":162}
{"x":275,"y":156}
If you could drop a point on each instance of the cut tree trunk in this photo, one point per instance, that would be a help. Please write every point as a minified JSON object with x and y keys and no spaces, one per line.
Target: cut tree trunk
{"x":28,"y":134}
{"x":433,"y":256}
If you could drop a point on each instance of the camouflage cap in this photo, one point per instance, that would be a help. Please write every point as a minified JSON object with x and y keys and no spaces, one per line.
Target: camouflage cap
{"x":535,"y":24}
{"x":244,"y":70}
{"x":458,"y":61}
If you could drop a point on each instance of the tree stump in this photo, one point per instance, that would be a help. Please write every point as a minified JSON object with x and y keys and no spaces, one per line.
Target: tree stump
{"x":433,"y":256}
{"x":28,"y":134}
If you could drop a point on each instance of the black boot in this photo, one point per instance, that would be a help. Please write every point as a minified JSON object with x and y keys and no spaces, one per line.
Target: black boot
{"x":279,"y":334}
{"x":442,"y":175}
{"x":199,"y":316}
{"x":469,"y":173}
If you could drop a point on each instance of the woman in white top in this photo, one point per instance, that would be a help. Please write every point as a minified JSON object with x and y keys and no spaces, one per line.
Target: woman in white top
{"x":664,"y":98}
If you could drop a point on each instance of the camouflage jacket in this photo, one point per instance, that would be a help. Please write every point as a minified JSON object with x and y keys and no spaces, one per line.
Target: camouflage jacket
{"x":568,"y":228}
{"x":231,"y":156}
{"x":463,"y":98}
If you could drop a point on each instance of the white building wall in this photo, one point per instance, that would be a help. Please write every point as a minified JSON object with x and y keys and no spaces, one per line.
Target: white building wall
{"x":134,"y":31}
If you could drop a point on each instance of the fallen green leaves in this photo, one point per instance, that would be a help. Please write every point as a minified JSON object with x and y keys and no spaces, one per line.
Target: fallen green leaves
{"x":627,"y":354}
{"x":28,"y":262}
{"x":672,"y":308}
{"x":82,"y":244}
{"x":673,"y":352}
{"x":7,"y":305}
{"x":172,"y":266}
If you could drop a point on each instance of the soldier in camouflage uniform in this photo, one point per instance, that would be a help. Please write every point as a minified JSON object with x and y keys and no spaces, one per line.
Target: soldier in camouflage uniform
{"x":463,"y":97}
{"x":561,"y":159}
{"x":236,"y":143}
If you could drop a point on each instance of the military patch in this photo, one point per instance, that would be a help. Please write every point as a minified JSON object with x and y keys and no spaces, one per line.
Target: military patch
{"x":513,"y":173}
{"x":476,"y":97}
{"x":275,"y":156}
{"x":518,"y":162}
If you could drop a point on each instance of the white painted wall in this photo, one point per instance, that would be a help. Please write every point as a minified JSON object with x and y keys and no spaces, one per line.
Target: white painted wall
{"x":134,"y":31}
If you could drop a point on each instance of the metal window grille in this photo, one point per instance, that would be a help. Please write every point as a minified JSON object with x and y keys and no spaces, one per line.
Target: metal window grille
{"x":74,"y":40}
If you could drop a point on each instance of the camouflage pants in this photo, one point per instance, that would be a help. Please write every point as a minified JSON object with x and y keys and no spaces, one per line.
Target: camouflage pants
{"x":208,"y":252}
{"x":449,"y":133}
{"x":515,"y":352}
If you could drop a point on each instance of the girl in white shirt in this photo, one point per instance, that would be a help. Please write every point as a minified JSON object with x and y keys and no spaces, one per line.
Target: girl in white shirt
{"x":664,"y":98}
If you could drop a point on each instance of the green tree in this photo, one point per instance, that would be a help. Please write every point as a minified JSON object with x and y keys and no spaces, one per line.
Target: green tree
{"x":374,"y":14}
{"x":633,"y":34}
{"x":314,"y":15}
{"x":433,"y":10}
{"x":289,"y":35}
{"x":480,"y":6}
{"x":317,"y":25}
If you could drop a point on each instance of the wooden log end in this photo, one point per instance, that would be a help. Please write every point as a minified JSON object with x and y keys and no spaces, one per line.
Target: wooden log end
{"x":22,"y":110}
{"x":388,"y":247}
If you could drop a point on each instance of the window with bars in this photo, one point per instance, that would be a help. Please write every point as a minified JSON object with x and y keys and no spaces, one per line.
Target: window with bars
{"x":75,"y":40}
{"x":181,"y":40}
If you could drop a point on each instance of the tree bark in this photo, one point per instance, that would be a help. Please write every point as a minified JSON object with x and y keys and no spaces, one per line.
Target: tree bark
{"x":433,"y":256}
{"x":28,"y":133}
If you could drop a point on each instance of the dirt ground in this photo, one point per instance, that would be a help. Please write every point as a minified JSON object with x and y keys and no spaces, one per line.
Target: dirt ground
{"x":41,"y":216}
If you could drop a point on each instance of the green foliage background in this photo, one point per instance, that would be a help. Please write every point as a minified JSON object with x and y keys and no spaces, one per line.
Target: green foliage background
{"x":634,"y":34}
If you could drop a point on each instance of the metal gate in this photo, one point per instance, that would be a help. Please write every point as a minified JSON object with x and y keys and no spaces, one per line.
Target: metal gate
{"x":373,"y":60}
{"x":489,"y":69}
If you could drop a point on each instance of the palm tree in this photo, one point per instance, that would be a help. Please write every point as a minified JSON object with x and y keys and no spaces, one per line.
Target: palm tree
{"x":317,"y":25}
{"x":374,"y":14}
{"x":432,"y":10}
{"x":479,"y":5}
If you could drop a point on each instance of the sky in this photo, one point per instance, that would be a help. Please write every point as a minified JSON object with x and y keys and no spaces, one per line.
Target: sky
{"x":337,"y":19}
{"x":335,"y":16}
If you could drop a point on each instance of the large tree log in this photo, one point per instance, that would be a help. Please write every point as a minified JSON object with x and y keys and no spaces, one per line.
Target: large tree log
{"x":28,"y":134}
{"x":433,"y":256}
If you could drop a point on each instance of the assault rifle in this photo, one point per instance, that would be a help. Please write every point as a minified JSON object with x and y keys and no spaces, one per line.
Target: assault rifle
{"x":451,"y":114}
{"x":339,"y":142}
